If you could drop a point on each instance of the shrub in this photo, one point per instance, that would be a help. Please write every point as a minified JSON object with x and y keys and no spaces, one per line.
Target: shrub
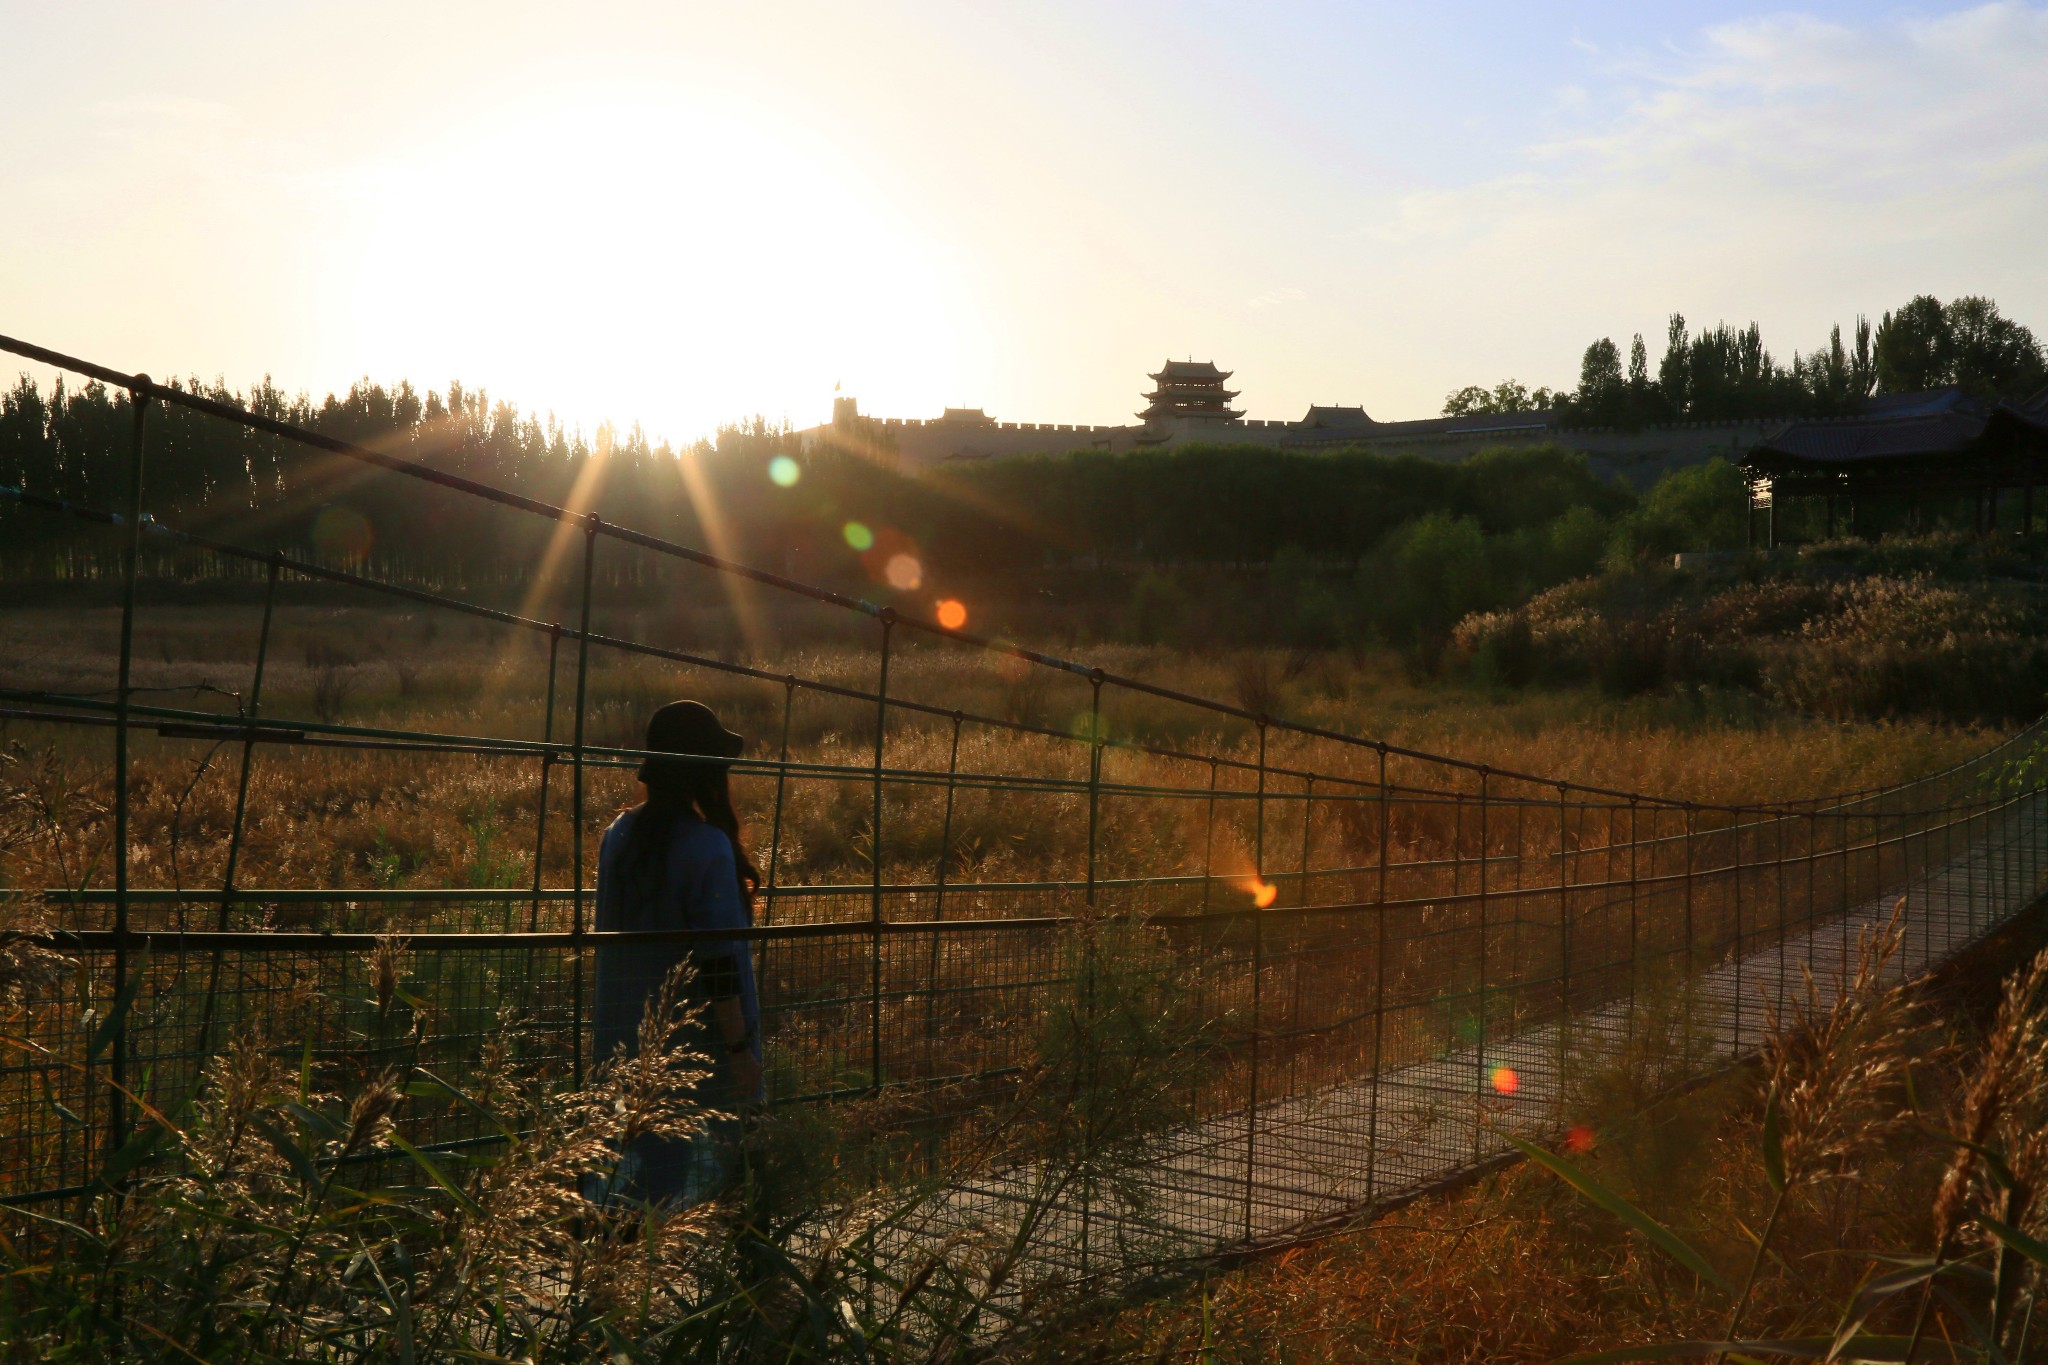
{"x":1840,"y":646}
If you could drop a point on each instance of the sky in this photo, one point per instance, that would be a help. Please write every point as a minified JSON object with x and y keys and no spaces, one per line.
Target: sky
{"x":679,"y":214}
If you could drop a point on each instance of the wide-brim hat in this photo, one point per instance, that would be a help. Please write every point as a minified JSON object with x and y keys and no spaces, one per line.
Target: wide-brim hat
{"x":686,"y":728}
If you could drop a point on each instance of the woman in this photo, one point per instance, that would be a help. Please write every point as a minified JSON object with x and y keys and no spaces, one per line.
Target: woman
{"x":675,"y":862}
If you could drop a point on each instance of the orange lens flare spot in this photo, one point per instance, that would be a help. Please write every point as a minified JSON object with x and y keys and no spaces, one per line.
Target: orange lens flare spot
{"x":904,"y":571}
{"x":1264,"y":894}
{"x":1505,"y":1081}
{"x":343,"y":533}
{"x":952,"y":614}
{"x":858,"y":535}
{"x":1578,"y":1139}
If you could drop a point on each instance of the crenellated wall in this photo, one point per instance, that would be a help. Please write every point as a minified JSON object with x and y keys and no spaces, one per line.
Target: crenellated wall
{"x":1640,"y":455}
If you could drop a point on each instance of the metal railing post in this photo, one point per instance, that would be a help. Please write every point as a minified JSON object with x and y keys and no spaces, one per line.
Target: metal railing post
{"x":1564,"y":933}
{"x":1379,"y":993}
{"x":576,"y":816}
{"x":239,"y":819}
{"x":1635,"y":955}
{"x":887,"y":616}
{"x":931,"y":975}
{"x":1479,"y":1049}
{"x":771,"y":886}
{"x":1735,"y":895}
{"x":1308,"y":805}
{"x":1090,"y":1035}
{"x":1780,"y":821}
{"x":1294,"y":994}
{"x":1094,"y":774}
{"x":1251,"y":1131}
{"x":781,"y":782}
{"x":1812,"y":873}
{"x":117,"y":1062}
{"x":1691,"y":832}
{"x":1689,"y":959}
{"x":547,"y":763}
{"x":1209,"y":842}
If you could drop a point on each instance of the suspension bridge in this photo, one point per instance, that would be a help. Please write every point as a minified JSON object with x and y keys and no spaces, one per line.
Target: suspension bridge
{"x":1262,"y":980}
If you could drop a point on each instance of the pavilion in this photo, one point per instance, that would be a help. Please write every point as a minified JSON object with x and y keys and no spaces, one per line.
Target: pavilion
{"x":1911,"y":447}
{"x":1189,"y":389}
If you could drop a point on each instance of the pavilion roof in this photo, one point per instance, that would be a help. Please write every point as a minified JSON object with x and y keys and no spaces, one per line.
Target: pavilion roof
{"x":1192,"y":370}
{"x":1205,"y":410}
{"x":1925,"y":403}
{"x":1190,"y":394}
{"x":1863,"y":440}
{"x":2029,"y":414}
{"x":1329,"y":416}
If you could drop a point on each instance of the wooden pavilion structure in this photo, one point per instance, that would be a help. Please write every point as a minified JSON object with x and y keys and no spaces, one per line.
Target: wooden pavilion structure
{"x":1910,"y":447}
{"x":1189,"y":388}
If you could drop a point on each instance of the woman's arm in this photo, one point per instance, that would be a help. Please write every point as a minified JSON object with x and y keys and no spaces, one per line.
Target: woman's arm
{"x":715,"y":903}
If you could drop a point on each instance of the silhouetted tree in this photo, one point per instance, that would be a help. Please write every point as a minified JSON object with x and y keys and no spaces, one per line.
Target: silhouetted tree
{"x":1913,"y":347}
{"x":1507,"y":396}
{"x":1991,"y":356}
{"x":1673,"y":371}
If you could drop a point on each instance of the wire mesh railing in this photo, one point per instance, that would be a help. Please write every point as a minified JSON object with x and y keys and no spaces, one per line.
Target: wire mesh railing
{"x":1335,"y":970}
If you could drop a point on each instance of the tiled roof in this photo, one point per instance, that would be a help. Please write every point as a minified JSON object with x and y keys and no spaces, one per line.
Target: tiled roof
{"x":1319,"y":416}
{"x":1855,"y":439}
{"x":1192,"y":369}
{"x":2030,"y":413}
{"x":1922,"y":404}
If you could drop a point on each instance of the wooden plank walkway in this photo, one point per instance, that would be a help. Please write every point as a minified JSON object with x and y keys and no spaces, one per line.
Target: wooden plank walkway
{"x":1255,"y":1176}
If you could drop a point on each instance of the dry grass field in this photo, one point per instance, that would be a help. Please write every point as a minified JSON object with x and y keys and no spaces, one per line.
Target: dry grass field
{"x":341,"y":818}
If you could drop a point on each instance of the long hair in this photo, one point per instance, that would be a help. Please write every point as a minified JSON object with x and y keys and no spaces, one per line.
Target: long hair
{"x":677,"y":789}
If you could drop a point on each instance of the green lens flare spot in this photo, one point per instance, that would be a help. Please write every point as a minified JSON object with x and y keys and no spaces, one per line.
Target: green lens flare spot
{"x":784,"y":472}
{"x":858,"y":536}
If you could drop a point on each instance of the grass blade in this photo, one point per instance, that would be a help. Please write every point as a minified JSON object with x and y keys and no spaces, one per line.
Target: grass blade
{"x":434,"y":1174}
{"x":118,"y":1011}
{"x":1664,"y":1238}
{"x":2033,"y":1248}
{"x":1774,"y":1144}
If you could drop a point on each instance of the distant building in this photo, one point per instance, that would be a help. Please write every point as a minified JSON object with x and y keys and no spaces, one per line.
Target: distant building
{"x":1905,"y":448}
{"x":1188,"y":391}
{"x":1336,"y":419}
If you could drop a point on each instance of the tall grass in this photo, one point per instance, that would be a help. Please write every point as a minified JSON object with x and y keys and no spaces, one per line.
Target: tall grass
{"x":1870,"y":1189}
{"x":281,"y":1212}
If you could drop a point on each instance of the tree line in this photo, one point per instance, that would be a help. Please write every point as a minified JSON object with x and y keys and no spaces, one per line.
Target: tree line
{"x":1189,"y":544}
{"x":1723,"y":373}
{"x":1214,"y":505}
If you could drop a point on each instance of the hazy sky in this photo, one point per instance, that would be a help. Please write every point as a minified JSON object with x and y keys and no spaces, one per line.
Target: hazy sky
{"x":677,"y":213}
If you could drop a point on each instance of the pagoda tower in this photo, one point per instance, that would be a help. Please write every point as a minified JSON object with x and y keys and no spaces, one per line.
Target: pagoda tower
{"x":1190,"y":389}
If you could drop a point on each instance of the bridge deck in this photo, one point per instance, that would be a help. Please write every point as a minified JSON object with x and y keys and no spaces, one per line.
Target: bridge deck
{"x":1256,"y":1175}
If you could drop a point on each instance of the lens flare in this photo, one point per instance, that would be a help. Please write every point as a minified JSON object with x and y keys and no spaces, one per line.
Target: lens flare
{"x":1505,"y":1081}
{"x":858,"y":535}
{"x":784,"y":472}
{"x":904,"y":572}
{"x":1264,"y":894}
{"x":1578,"y":1139}
{"x":343,"y":533}
{"x":952,"y":614}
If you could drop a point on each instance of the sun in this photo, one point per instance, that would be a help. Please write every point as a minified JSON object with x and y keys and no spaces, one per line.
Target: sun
{"x":659,"y":261}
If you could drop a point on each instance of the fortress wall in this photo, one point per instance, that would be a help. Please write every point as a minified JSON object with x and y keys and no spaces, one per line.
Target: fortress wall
{"x":1641,"y":456}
